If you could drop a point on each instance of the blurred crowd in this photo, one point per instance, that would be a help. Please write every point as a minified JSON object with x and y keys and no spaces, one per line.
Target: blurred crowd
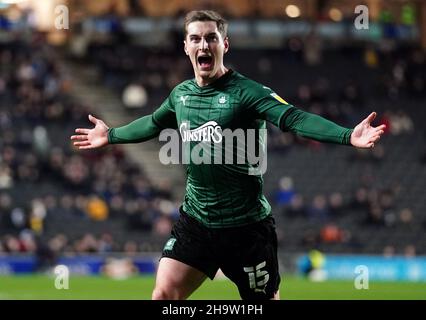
{"x":46,"y":185}
{"x":336,"y":217}
{"x":44,"y":181}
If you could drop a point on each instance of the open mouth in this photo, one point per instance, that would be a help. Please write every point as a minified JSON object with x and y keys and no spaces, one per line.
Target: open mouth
{"x":205,"y":62}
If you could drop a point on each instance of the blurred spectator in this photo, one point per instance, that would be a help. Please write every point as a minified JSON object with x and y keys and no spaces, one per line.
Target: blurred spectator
{"x":286,"y":192}
{"x":312,"y":48}
{"x":135,"y":96}
{"x":360,"y":200}
{"x":410,"y":251}
{"x":45,"y":257}
{"x":41,"y":142}
{"x":400,"y":123}
{"x":6,"y":180}
{"x":371,"y":58}
{"x":87,"y":244}
{"x":406,"y":216}
{"x":336,"y":204}
{"x":163,"y":226}
{"x":375,"y":215}
{"x":130,"y":248}
{"x":119,"y":269}
{"x":319,"y":210}
{"x":58,"y":244}
{"x":331,"y":233}
{"x":97,"y":209}
{"x":312,"y":265}
{"x":12,"y":244}
{"x":297,"y":207}
{"x":388,"y":251}
{"x":18,"y":219}
{"x":5,"y":208}
{"x":37,"y":216}
{"x":106,"y":243}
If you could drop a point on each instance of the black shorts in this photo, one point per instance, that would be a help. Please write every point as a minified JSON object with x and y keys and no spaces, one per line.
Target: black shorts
{"x":247,"y":255}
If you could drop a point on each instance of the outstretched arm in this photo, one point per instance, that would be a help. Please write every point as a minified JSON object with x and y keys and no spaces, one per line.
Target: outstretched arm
{"x":315,"y":127}
{"x":91,"y":138}
{"x":265,"y":104}
{"x":364,"y":135}
{"x":139,"y":130}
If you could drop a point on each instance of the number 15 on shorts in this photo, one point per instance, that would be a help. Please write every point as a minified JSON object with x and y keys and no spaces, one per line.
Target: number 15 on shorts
{"x":258,"y":278}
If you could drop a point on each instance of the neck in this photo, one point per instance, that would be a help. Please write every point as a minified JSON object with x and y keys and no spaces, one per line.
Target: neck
{"x":205,"y":81}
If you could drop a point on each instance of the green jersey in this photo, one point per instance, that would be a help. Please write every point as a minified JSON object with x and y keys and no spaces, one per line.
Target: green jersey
{"x":221,"y":195}
{"x":227,"y":194}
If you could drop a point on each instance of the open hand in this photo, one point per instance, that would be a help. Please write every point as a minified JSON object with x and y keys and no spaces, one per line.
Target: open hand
{"x":91,"y":138}
{"x":364,"y":135}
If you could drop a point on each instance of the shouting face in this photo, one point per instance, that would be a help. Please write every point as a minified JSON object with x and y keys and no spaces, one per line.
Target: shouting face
{"x":205,"y":47}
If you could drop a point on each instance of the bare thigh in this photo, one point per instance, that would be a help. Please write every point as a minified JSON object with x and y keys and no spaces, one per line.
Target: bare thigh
{"x":276,"y":295}
{"x":176,"y":280}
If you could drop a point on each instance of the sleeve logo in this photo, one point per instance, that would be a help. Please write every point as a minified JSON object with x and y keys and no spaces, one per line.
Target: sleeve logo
{"x":169,"y":245}
{"x":277,"y":97}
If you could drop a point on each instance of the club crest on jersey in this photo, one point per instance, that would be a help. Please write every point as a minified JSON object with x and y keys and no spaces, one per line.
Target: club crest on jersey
{"x":222,"y":101}
{"x":208,"y":132}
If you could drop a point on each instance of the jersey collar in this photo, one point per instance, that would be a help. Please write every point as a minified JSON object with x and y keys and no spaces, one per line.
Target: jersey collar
{"x":216,"y":83}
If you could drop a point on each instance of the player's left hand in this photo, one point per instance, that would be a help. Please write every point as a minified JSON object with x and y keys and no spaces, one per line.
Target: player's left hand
{"x":364,"y":135}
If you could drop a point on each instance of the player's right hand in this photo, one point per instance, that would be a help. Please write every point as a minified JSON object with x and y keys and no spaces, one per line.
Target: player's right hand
{"x":91,"y":138}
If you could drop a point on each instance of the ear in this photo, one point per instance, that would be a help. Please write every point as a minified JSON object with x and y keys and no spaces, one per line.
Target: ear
{"x":226,"y":44}
{"x":185,"y":48}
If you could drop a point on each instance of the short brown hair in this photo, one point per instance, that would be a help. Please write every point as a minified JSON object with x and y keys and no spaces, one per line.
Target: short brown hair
{"x":206,"y":15}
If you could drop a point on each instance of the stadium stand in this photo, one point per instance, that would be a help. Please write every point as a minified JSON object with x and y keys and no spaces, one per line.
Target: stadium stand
{"x":343,"y":88}
{"x":344,"y":200}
